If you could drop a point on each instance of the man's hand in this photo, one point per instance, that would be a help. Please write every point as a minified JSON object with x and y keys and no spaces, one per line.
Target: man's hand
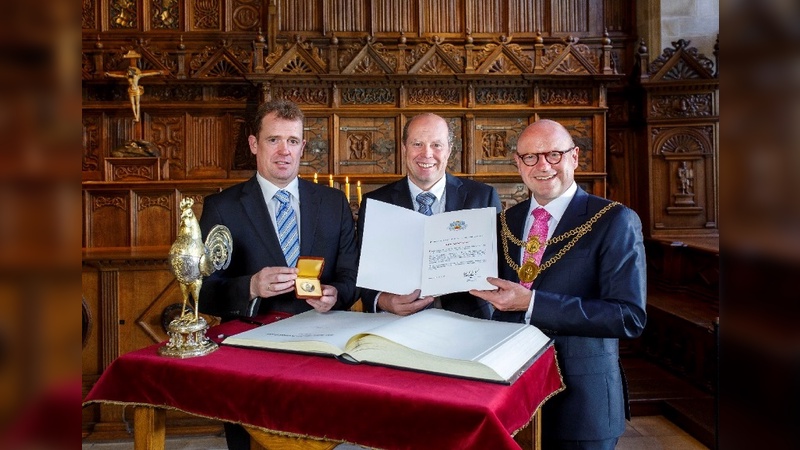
{"x":272,"y":281}
{"x":403,"y":305}
{"x":509,"y":296}
{"x":326,"y":302}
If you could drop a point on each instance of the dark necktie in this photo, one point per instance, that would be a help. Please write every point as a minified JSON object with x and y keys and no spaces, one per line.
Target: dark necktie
{"x":287,"y":228}
{"x":425,"y":200}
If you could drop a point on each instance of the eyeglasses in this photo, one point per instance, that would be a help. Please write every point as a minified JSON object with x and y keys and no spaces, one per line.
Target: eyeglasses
{"x":552,"y":157}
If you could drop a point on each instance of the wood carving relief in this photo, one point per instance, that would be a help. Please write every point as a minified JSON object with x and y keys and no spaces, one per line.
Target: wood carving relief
{"x":91,"y":143}
{"x":165,"y":14}
{"x":123,"y":14}
{"x":316,"y":155}
{"x":565,"y":96}
{"x":679,"y":106}
{"x":247,"y":14}
{"x":205,"y":14}
{"x":368,"y":96}
{"x":503,"y":96}
{"x":497,"y":141}
{"x":368,"y":145}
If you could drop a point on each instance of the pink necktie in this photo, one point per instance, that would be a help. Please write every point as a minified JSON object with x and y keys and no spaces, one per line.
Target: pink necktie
{"x":539,"y":228}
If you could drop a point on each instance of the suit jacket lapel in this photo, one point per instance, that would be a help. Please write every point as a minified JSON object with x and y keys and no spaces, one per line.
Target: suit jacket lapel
{"x":574,"y":216}
{"x":310,"y":205}
{"x":401,"y":195}
{"x":454,"y":197}
{"x":515,"y":219}
{"x":256,"y":209}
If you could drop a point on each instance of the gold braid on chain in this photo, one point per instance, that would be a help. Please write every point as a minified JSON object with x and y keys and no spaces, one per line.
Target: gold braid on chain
{"x":529,"y":270}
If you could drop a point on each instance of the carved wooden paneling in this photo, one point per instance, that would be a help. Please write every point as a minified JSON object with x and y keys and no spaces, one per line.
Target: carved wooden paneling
{"x":300,"y":15}
{"x":247,"y":15}
{"x":347,"y":15}
{"x":487,"y":17}
{"x":495,"y":143}
{"x":205,"y":15}
{"x":107,"y":219}
{"x":570,"y":15}
{"x":204,"y":159}
{"x":168,"y":133}
{"x":123,"y":14}
{"x":526,"y":17}
{"x":316,"y":157}
{"x":681,"y":108}
{"x":441,"y":16}
{"x":367,"y":145}
{"x":154,"y":212}
{"x":92,"y":146}
{"x":512,"y":193}
{"x":395,"y":16}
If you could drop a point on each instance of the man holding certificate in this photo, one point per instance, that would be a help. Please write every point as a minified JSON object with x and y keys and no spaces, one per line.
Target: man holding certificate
{"x":427,"y":142}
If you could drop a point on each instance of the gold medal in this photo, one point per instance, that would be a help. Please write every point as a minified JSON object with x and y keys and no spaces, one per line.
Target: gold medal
{"x":527,"y":273}
{"x":533,"y":245}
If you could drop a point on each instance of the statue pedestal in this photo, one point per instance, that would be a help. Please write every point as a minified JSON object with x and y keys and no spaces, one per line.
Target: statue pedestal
{"x":187,"y":339}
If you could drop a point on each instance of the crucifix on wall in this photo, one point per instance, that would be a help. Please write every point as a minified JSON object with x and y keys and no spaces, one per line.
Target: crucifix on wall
{"x":133,"y":74}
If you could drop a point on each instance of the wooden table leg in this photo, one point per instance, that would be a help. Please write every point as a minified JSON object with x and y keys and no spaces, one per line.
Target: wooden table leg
{"x":530,"y":437}
{"x":149,"y":428}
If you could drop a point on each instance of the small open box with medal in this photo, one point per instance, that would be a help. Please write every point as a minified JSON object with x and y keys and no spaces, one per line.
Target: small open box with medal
{"x":307,"y":284}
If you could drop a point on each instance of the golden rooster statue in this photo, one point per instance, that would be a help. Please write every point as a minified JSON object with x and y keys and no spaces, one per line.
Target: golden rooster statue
{"x":191,"y":259}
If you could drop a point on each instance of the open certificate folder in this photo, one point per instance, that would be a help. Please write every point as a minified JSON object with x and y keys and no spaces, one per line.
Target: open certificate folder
{"x":432,"y":340}
{"x":403,"y":250}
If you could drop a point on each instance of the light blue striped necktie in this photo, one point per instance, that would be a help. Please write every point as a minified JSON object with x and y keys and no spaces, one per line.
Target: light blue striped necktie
{"x":425,"y":200}
{"x":288,"y":233}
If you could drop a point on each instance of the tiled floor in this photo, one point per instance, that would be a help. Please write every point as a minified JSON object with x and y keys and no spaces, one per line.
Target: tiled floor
{"x":642,"y":433}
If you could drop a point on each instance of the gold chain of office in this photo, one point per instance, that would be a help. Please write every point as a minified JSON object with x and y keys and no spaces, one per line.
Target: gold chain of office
{"x":530,"y":270}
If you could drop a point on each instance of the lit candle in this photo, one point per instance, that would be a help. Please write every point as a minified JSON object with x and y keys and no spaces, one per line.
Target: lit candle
{"x":347,"y":188}
{"x":330,"y":181}
{"x":358,"y":192}
{"x":315,"y":177}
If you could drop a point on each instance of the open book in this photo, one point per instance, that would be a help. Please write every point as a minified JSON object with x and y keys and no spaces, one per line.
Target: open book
{"x":403,"y":250}
{"x":432,"y":340}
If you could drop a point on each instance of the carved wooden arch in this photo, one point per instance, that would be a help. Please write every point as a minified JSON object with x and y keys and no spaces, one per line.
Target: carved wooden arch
{"x":570,"y":58}
{"x":297,"y":58}
{"x":682,"y":141}
{"x":503,"y":58}
{"x":680,"y":62}
{"x":371,"y":59}
{"x":223,"y":61}
{"x":430,"y":59}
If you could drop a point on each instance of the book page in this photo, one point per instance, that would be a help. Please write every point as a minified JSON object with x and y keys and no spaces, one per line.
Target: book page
{"x":446,"y":342}
{"x":460,"y":251}
{"x":311,"y":331}
{"x":391,"y":248}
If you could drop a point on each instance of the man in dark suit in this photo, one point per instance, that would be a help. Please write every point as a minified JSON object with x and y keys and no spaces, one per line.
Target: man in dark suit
{"x":267,"y":215}
{"x":427,"y":142}
{"x":587,"y":291}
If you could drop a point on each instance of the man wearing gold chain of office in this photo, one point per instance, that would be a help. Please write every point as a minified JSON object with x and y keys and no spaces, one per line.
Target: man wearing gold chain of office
{"x":573,"y":265}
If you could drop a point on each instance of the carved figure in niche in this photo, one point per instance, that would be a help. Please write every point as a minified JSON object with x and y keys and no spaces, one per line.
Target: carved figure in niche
{"x":494,"y":145}
{"x":499,"y":147}
{"x":133,"y":74}
{"x":359,"y":146}
{"x":685,"y":177}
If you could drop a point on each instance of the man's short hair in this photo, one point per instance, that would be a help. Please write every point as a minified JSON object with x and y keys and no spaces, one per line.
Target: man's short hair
{"x":284,"y":109}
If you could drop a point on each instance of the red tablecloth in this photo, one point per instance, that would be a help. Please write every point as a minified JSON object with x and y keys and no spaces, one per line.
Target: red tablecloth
{"x":317,"y":396}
